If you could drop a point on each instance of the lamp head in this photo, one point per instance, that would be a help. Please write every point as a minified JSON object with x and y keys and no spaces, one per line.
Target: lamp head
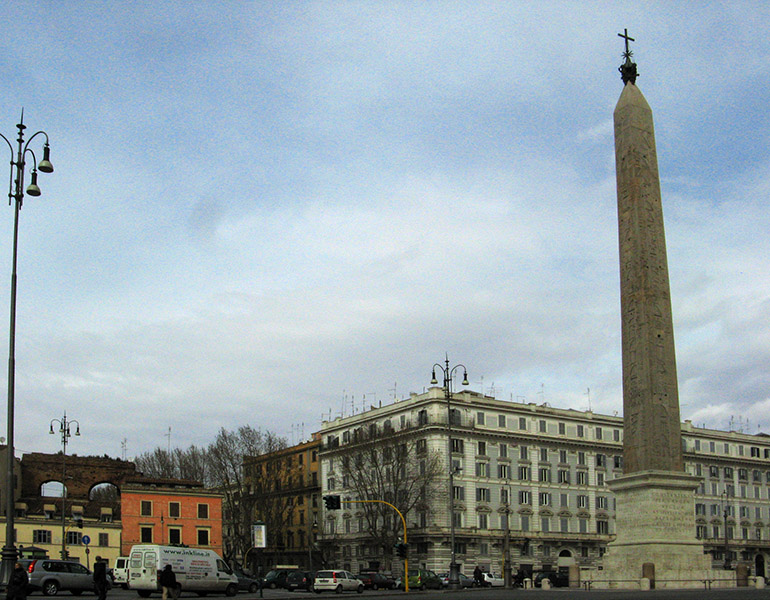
{"x":77,"y":431}
{"x":51,"y":429}
{"x":32,"y":188}
{"x":45,"y":165}
{"x":465,"y":378}
{"x":433,"y":379}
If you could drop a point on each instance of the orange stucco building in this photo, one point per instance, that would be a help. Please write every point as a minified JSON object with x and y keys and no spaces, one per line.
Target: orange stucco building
{"x":170,"y":512}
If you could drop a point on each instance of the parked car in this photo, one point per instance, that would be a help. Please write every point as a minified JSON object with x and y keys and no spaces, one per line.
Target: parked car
{"x":276,"y":578}
{"x":53,"y":576}
{"x":299,"y":580}
{"x":421,"y":579}
{"x":493,"y":580}
{"x":246,"y":583}
{"x":119,"y":572}
{"x":465,"y":581}
{"x":556,"y":579}
{"x":337,"y":581}
{"x":376,"y":580}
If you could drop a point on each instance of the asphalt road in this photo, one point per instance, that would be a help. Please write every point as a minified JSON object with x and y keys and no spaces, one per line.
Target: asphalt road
{"x":487,"y":594}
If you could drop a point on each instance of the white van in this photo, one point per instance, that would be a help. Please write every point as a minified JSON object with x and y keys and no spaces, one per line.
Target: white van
{"x":120,"y":572}
{"x":197,"y":570}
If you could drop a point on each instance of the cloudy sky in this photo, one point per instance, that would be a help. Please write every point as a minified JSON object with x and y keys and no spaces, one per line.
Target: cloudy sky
{"x":270,"y":213}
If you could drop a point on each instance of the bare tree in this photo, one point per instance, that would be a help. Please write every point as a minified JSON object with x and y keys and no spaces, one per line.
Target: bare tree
{"x":384,"y":466}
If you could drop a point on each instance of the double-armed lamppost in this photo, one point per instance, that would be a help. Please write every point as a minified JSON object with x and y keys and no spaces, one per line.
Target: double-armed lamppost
{"x":16,"y":195}
{"x":454,"y":572}
{"x":64,"y":430}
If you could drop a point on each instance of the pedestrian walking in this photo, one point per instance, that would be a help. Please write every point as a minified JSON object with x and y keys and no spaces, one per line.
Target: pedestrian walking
{"x":17,"y":585}
{"x":168,"y":582}
{"x":477,"y":576}
{"x":100,"y":578}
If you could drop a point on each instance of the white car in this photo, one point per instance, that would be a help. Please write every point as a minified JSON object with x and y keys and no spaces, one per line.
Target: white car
{"x":492,"y":580}
{"x":337,"y":581}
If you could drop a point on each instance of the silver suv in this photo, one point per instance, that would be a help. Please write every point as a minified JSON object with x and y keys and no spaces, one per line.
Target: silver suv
{"x":52,"y":576}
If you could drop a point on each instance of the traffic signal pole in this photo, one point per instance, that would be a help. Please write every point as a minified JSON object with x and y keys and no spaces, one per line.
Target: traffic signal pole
{"x":403,"y":521}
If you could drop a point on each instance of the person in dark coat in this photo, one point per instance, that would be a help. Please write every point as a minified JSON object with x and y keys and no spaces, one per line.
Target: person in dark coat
{"x":168,"y":582}
{"x":100,"y":578}
{"x":17,"y":585}
{"x":478,"y":578}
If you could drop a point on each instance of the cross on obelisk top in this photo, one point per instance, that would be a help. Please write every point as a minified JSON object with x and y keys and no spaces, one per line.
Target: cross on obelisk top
{"x":625,"y":36}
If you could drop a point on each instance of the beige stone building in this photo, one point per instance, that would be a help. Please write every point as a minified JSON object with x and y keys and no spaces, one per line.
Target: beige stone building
{"x":547,"y":468}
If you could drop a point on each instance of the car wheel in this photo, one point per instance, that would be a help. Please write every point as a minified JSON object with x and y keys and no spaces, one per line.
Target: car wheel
{"x":422,"y":587}
{"x":272,"y":585}
{"x":202,"y":594}
{"x":231,"y":590}
{"x":50,"y":588}
{"x":253,"y":588}
{"x":375,"y":587}
{"x":316,"y":591}
{"x":143,"y":593}
{"x":338,"y":589}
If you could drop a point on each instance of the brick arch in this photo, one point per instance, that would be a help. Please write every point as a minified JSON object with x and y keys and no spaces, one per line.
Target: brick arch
{"x":98,"y":483}
{"x":82,"y":471}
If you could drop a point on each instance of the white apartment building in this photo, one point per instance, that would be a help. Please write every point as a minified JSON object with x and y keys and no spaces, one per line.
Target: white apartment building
{"x":543,"y":470}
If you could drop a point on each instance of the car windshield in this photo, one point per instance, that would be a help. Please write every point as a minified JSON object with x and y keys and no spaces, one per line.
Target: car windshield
{"x":325,"y":574}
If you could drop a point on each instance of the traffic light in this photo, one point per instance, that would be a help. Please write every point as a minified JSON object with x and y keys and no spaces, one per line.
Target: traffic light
{"x":332,"y":502}
{"x":402,"y":550}
{"x":79,"y":523}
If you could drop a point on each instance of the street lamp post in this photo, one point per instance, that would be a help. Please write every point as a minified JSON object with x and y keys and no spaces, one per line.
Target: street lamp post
{"x":16,"y":195}
{"x":454,"y":572}
{"x":727,"y":542}
{"x":507,"y":540}
{"x":64,"y":430}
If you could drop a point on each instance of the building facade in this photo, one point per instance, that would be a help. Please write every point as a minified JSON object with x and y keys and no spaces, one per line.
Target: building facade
{"x":530,"y":483}
{"x":170,"y":512}
{"x":284,"y":489}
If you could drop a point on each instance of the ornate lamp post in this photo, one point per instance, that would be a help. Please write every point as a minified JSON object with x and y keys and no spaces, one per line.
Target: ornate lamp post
{"x":454,"y":572}
{"x":64,"y":430}
{"x":16,"y":195}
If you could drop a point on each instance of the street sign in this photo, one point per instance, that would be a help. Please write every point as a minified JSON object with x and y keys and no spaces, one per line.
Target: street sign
{"x":86,"y":540}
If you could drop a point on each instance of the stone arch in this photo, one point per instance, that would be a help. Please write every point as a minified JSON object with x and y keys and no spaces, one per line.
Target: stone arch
{"x":51,"y":488}
{"x":105,"y":491}
{"x":759,"y":564}
{"x":565,"y":553}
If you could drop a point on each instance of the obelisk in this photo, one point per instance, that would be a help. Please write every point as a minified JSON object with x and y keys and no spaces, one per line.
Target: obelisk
{"x":654,"y":519}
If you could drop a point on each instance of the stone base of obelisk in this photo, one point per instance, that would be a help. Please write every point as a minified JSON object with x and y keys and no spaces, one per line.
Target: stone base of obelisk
{"x":655,"y":527}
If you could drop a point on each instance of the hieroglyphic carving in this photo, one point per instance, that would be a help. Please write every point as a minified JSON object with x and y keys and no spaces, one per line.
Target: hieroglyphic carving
{"x":652,"y":438}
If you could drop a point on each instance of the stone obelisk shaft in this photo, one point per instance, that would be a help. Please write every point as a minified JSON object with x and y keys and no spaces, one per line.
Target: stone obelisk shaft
{"x":652,"y":434}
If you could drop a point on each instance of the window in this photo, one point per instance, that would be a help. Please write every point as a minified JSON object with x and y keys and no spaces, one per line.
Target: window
{"x":580,"y":431}
{"x":754,"y":452}
{"x":145,"y":533}
{"x":582,"y":477}
{"x":600,"y":479}
{"x":503,"y":450}
{"x":482,"y":469}
{"x":598,"y":433}
{"x":457,"y":519}
{"x":174,"y":535}
{"x":174,"y":510}
{"x":543,"y":454}
{"x":480,"y":418}
{"x":544,"y":498}
{"x":543,"y":426}
{"x":582,"y":501}
{"x":422,"y":417}
{"x":523,"y":452}
{"x":545,"y":524}
{"x":482,"y":449}
{"x":563,"y":456}
{"x":501,"y":421}
{"x":145,"y":508}
{"x":454,"y":416}
{"x":483,"y":521}
{"x":104,"y":539}
{"x":601,"y":460}
{"x":616,"y":435}
{"x":504,"y":471}
{"x":41,"y":536}
{"x":524,"y":473}
{"x":203,"y":511}
{"x":700,"y":509}
{"x":482,"y":495}
{"x":421,"y":446}
{"x":457,"y":445}
{"x":525,"y":526}
{"x":581,"y":458}
{"x":203,"y":537}
{"x":601,"y":502}
{"x":523,"y":423}
{"x":504,"y":497}
{"x":603,"y":527}
{"x":525,"y":497}
{"x":583,"y":525}
{"x":563,"y":475}
{"x":700,"y":532}
{"x":728,"y":472}
{"x":713,"y":471}
{"x":562,"y":429}
{"x":564,"y":500}
{"x":617,"y":462}
{"x":564,"y":525}
{"x":544,"y":474}
{"x":458,"y":492}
